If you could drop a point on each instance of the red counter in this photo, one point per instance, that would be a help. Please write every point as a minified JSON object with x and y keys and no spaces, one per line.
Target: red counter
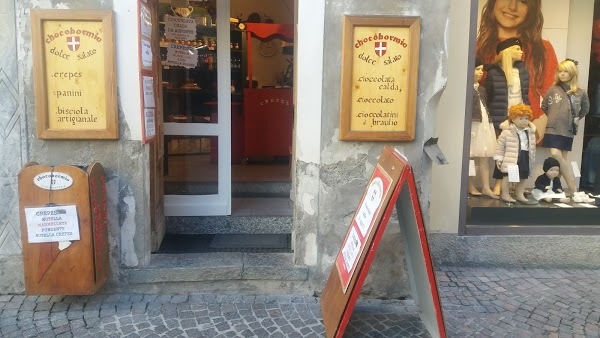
{"x":268,"y":121}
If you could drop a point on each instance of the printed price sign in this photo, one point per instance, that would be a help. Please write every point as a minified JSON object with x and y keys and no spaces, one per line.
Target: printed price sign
{"x":362,"y":225}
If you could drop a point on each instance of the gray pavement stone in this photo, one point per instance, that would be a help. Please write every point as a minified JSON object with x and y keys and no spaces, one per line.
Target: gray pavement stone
{"x":477,"y":302}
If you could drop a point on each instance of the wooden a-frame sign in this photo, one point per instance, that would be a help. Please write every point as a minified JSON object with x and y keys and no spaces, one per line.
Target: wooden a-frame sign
{"x":392,"y":184}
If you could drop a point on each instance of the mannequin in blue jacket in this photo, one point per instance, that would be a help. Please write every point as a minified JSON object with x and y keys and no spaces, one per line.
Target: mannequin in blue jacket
{"x":506,"y":85}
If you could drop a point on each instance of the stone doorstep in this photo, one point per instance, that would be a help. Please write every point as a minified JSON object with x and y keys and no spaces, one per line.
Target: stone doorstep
{"x":248,"y":216}
{"x":214,"y":266}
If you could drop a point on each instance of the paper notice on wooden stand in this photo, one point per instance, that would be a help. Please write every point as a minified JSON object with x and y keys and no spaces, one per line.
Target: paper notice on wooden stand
{"x":52,"y":224}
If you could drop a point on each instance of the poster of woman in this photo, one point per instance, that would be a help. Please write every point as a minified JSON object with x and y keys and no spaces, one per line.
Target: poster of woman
{"x":542,"y":27}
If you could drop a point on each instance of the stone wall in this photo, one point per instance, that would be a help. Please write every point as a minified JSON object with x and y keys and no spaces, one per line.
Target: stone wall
{"x":328,"y":193}
{"x":124,"y":160}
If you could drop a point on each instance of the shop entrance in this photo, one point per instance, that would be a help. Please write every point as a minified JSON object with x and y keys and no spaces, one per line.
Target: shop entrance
{"x":228,"y":121}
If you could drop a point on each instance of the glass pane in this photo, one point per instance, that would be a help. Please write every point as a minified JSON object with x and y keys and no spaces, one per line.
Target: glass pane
{"x":191,"y":165}
{"x":189,"y":62}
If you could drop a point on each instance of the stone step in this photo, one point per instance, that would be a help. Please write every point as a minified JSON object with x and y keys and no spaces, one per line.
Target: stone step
{"x":238,"y":189}
{"x":249,"y":216}
{"x":216,"y":266}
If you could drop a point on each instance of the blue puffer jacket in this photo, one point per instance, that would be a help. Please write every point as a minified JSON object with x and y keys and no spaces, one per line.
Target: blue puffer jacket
{"x":497,"y":91}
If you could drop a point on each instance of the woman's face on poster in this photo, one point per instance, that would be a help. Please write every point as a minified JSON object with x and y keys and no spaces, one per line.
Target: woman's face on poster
{"x":510,"y":13}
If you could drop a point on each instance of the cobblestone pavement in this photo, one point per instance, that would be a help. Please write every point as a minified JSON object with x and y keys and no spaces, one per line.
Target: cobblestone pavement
{"x":477,"y":302}
{"x":480,"y":302}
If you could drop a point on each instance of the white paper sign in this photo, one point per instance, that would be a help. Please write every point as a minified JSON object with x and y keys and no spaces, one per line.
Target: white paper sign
{"x":513,"y":173}
{"x":145,"y":21}
{"x":148,"y":83}
{"x":146,"y":53}
{"x":372,"y":201}
{"x":149,"y":122}
{"x":472,"y":168}
{"x":178,"y":28}
{"x":563,"y":205}
{"x":351,"y":249}
{"x":52,"y":224}
{"x":182,"y":55}
{"x":576,"y":171}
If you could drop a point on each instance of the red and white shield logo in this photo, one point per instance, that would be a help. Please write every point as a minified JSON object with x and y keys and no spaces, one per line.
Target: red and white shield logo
{"x":73,"y":43}
{"x":380,"y":48}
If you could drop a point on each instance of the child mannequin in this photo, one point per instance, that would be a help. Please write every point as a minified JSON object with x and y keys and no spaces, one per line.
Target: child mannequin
{"x":549,"y":183}
{"x":516,"y":145}
{"x":483,"y":136}
{"x":507,"y":84}
{"x":565,"y":104}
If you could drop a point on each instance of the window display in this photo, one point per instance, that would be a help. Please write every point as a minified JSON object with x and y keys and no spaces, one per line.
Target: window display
{"x":544,"y":103}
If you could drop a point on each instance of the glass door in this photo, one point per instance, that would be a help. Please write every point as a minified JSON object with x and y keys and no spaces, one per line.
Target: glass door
{"x":197,"y":109}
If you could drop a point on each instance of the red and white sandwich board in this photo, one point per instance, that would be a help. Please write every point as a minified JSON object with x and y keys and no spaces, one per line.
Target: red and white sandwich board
{"x":392,"y":184}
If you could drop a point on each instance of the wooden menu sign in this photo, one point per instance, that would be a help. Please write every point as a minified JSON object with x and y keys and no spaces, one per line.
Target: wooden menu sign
{"x":74,"y":74}
{"x":380,"y":62}
{"x":392,"y":184}
{"x":59,"y":265}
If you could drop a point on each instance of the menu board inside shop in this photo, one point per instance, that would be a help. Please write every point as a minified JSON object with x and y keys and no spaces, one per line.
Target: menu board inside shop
{"x":379,"y":79}
{"x":74,"y":74}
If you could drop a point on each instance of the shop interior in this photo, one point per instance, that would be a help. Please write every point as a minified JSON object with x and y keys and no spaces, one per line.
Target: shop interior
{"x":262,"y":108}
{"x":485,"y":213}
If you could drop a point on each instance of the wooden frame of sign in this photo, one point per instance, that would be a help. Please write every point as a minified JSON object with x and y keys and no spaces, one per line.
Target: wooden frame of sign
{"x":380,"y":63}
{"x":74,"y":74}
{"x":391,"y":185}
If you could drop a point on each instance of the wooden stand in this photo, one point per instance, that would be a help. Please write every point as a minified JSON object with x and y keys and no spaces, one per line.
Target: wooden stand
{"x":391,"y":184}
{"x":83,"y":267}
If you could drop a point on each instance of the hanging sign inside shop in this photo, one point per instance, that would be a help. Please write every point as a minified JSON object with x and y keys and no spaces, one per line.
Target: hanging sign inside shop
{"x":74,"y":74}
{"x":179,"y":28}
{"x":52,"y":224}
{"x":182,"y":55}
{"x":53,"y":180}
{"x":380,"y":63}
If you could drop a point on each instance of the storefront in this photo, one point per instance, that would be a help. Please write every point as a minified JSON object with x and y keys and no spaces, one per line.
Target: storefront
{"x":184,"y":175}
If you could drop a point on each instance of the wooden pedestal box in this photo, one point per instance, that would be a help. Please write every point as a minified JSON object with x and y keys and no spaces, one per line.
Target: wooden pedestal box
{"x":56,"y":204}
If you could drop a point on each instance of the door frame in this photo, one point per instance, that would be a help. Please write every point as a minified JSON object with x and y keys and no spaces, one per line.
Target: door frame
{"x":218,"y":204}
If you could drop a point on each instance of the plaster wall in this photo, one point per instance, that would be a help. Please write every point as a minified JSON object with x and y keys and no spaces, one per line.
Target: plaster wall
{"x":125,"y":160}
{"x":344,"y":167}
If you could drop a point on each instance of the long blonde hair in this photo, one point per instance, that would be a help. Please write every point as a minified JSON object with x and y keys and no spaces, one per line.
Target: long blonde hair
{"x":570,"y":67}
{"x":505,"y":61}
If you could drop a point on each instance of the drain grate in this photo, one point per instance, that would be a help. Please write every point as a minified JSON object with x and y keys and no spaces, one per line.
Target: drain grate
{"x":177,"y":243}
